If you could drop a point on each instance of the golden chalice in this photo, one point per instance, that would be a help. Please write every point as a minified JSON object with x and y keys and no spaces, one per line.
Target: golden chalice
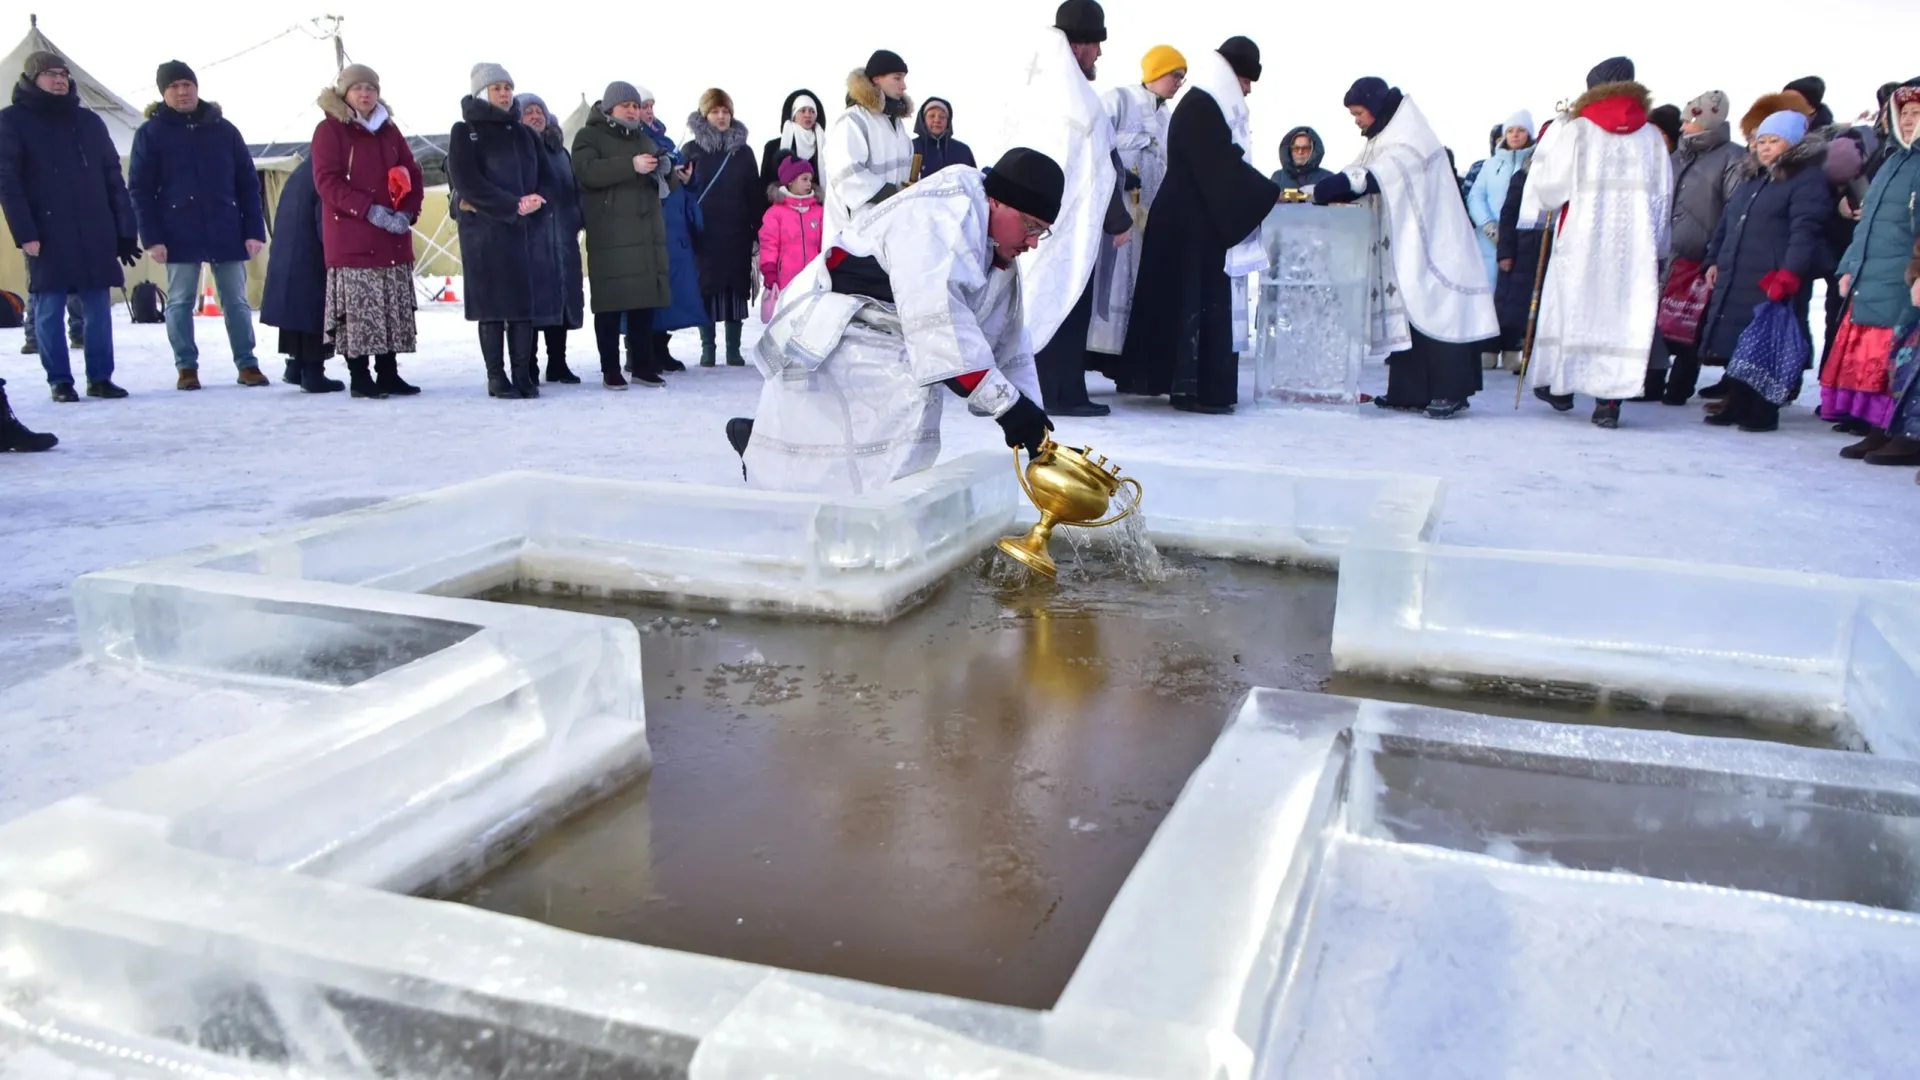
{"x":1068,"y":487}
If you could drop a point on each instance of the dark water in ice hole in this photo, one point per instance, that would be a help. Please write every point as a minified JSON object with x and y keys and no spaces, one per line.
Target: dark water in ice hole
{"x":948,"y":802}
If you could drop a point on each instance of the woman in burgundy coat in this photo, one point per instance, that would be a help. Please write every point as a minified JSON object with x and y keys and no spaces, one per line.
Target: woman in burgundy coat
{"x":370,"y":194}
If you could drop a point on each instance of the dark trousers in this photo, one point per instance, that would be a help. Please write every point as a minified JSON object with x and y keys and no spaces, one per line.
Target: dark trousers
{"x":1684,"y":377}
{"x":1836,"y":307}
{"x":556,"y":338}
{"x":1063,"y":363}
{"x":606,"y":334}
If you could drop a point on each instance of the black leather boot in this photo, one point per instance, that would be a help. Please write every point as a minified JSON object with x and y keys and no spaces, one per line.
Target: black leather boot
{"x":387,"y":372}
{"x":493,"y":353}
{"x":360,"y":382}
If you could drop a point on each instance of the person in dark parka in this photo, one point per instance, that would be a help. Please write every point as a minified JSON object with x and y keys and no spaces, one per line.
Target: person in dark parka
{"x":294,"y":297}
{"x":495,"y":170}
{"x":1298,"y":172}
{"x":67,"y":205}
{"x":1517,"y":258}
{"x":733,"y":202}
{"x":934,"y":140}
{"x":1180,"y":338}
{"x":561,"y":222}
{"x":1770,"y":244}
{"x":616,"y":165}
{"x":800,"y":136}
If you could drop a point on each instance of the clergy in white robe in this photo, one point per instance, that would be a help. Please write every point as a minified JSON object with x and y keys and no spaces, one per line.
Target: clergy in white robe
{"x":1608,"y":170}
{"x":1139,"y":114}
{"x":869,"y":148}
{"x":1429,"y":303}
{"x":916,"y":302}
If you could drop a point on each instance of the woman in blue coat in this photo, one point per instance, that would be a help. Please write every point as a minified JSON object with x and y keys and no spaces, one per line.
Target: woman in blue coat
{"x":562,"y":225}
{"x":294,"y":298}
{"x":1488,"y":195}
{"x":1770,"y":245}
{"x":684,"y":222}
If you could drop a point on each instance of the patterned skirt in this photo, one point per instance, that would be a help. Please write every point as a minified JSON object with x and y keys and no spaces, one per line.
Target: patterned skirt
{"x":370,"y":310}
{"x":1905,"y":420}
{"x":1853,"y":384}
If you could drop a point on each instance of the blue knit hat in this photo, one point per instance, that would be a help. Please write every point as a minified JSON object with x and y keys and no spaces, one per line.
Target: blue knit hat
{"x":1788,"y":125}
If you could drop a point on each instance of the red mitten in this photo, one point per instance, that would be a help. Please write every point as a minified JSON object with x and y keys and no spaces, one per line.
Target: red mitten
{"x":1779,"y":284}
{"x":399,"y":185}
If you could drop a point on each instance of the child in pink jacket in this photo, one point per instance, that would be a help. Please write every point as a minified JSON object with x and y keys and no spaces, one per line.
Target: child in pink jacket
{"x":790,"y":234}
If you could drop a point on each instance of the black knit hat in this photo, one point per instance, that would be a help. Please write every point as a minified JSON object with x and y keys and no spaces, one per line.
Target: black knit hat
{"x":172,"y":72}
{"x":885,"y":62}
{"x":1083,"y":21}
{"x":1813,"y":88}
{"x":1029,"y":181}
{"x":1243,"y":56}
{"x":1667,"y":119}
{"x":1612,"y":70}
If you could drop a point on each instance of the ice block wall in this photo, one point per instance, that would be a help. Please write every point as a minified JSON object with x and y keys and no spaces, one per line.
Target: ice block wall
{"x":1310,"y":319}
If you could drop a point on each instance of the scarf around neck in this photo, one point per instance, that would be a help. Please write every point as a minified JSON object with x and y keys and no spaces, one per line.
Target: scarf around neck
{"x":798,"y":141}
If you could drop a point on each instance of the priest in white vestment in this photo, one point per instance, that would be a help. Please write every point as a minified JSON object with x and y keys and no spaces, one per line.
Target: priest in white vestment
{"x":1139,"y":113}
{"x":1604,"y":174}
{"x":869,"y":148}
{"x":1429,"y":302}
{"x":916,"y":302}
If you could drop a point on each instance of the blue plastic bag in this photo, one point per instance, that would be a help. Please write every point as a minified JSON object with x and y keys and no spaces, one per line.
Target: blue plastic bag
{"x":1771,"y":353}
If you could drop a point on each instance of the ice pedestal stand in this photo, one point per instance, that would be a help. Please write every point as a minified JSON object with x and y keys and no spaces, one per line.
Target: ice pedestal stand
{"x":1310,"y":321}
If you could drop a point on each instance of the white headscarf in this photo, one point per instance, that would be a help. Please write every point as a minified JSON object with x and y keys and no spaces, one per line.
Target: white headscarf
{"x":1212,"y":75}
{"x":799,"y":141}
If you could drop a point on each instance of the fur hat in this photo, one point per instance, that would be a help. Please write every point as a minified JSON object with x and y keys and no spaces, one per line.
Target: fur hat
{"x":353,"y":75}
{"x":1768,"y":104}
{"x":794,"y":168}
{"x":1785,"y":124}
{"x":619,"y":93}
{"x":42,"y":62}
{"x":1708,"y":110}
{"x":1612,"y":70}
{"x":1160,"y":60}
{"x":1243,"y":56}
{"x":1029,"y":181}
{"x":1083,"y":21}
{"x":484,"y":75}
{"x":715,"y":98}
{"x":174,"y":71}
{"x":885,"y":62}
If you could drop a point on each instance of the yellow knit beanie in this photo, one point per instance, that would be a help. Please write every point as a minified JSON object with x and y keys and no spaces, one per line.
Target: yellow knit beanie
{"x":1160,"y":60}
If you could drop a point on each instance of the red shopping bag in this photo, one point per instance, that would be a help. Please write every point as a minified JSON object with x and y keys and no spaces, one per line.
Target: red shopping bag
{"x":1683,"y":302}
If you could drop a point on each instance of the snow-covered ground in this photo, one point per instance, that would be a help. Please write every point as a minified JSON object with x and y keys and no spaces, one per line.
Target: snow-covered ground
{"x":163,"y":470}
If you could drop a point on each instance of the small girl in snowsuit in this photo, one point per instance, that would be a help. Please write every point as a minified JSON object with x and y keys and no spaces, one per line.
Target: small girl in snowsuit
{"x":790,"y":233}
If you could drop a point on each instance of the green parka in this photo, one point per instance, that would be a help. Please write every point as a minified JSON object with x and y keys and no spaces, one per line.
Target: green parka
{"x":626,"y":233}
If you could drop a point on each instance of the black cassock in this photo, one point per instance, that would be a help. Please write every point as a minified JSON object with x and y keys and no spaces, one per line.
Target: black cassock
{"x":1180,"y":335}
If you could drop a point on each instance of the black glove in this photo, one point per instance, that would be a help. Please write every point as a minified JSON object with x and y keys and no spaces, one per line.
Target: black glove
{"x":129,"y":250}
{"x":1026,"y":424}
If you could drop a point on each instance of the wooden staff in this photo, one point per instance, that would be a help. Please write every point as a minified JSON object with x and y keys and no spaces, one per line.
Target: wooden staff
{"x":1533,"y":309}
{"x":913,"y":171}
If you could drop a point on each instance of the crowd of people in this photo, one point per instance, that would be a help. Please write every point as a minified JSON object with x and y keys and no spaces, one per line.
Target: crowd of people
{"x":1611,"y":252}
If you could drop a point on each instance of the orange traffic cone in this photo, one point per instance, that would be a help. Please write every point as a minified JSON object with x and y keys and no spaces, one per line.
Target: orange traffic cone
{"x":446,"y":292}
{"x":209,"y":307}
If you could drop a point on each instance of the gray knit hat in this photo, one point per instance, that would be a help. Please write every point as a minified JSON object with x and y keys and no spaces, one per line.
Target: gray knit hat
{"x":353,"y":75}
{"x":42,"y":62}
{"x":1708,"y":110}
{"x":619,"y":92}
{"x":484,"y":75}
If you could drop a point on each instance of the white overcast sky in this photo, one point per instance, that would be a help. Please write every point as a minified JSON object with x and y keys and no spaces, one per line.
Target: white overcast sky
{"x":1469,"y":65}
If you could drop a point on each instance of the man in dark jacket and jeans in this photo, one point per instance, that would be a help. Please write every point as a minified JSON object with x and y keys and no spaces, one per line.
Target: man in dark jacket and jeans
{"x":64,"y":198}
{"x":197,"y":201}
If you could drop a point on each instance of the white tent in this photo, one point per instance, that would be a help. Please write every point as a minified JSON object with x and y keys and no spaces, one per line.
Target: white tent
{"x":122,"y":119}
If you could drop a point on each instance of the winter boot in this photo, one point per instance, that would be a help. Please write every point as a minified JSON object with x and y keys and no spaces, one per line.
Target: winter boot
{"x":30,"y":348}
{"x":293,"y":372}
{"x":734,"y":359}
{"x":253,"y":376}
{"x":739,"y":432}
{"x":1899,"y":450}
{"x":360,"y":379}
{"x":663,"y":354}
{"x":1654,"y":386}
{"x":557,"y":369}
{"x":14,"y":435}
{"x":63,"y":393}
{"x":104,"y":389}
{"x":387,"y":370}
{"x":1681,"y":379}
{"x":313,"y":378}
{"x":1875,"y":440}
{"x":187,"y":379}
{"x":1511,"y":362}
{"x":1440,"y":409}
{"x":1560,"y":402}
{"x":1717,"y":390}
{"x":1606,"y":413}
{"x":493,"y":353}
{"x":610,"y":375}
{"x":521,"y":362}
{"x":707,"y":346}
{"x":1731,"y":409}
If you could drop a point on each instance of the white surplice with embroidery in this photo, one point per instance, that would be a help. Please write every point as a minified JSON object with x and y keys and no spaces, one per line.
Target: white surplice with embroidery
{"x":1601,"y":298}
{"x":865,"y":151}
{"x":853,"y":388}
{"x":1140,"y":136}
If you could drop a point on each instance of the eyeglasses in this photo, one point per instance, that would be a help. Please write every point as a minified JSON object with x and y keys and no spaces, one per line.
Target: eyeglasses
{"x":1036,"y":232}
{"x":58,"y":73}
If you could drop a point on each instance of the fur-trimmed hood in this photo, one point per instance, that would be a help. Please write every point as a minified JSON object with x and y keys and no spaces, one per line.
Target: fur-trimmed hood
{"x":1768,"y":104}
{"x":1618,"y":108}
{"x":209,"y":110}
{"x":714,"y":141}
{"x":861,"y":91}
{"x":334,"y":104}
{"x":1808,"y":153}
